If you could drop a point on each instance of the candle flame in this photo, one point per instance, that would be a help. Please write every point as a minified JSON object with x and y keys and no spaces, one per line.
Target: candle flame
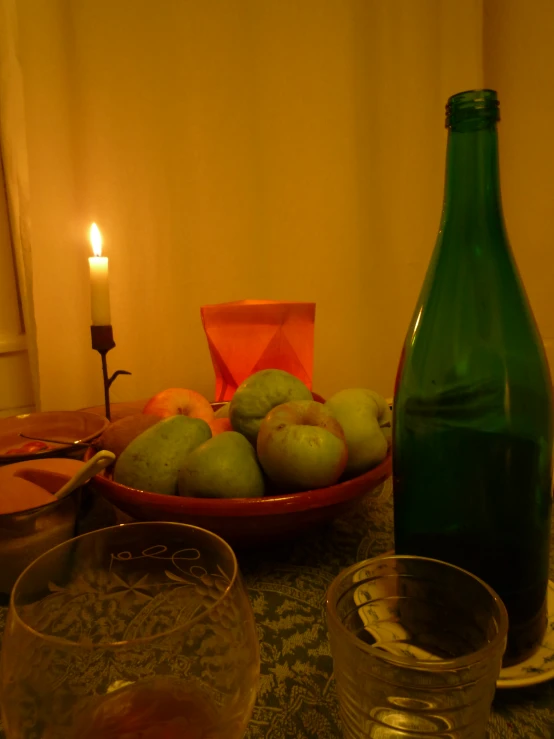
{"x":96,"y":240}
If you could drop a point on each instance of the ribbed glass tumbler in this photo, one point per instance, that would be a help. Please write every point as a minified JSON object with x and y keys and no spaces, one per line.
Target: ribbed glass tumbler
{"x":417,"y":646}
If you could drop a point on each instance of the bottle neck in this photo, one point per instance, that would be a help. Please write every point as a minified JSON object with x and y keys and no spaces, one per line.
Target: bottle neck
{"x":472,"y":190}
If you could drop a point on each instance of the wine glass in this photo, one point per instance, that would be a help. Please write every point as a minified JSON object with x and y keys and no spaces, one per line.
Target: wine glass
{"x":141,"y":630}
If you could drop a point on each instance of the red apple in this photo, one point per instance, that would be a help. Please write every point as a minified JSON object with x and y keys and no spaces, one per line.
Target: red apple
{"x":301,"y":446}
{"x":177,"y":401}
{"x":219,"y":425}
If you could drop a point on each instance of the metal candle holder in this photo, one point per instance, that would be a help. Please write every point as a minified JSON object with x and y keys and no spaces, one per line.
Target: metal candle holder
{"x":102,"y":342}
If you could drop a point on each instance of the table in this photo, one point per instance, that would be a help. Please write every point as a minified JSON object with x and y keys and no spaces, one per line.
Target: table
{"x":287,"y":586}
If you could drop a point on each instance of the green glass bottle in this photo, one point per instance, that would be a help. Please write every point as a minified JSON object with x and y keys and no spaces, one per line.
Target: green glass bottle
{"x":472,"y":444}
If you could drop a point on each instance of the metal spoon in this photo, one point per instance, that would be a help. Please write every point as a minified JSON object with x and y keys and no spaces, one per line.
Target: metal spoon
{"x":96,"y":464}
{"x":62,"y":442}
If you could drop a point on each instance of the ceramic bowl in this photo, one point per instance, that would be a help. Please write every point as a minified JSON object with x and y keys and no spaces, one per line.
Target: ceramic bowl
{"x":64,"y":427}
{"x":28,"y":533}
{"x":246,"y":522}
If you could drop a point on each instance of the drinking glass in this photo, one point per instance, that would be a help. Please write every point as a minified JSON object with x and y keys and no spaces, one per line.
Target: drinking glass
{"x":141,"y":630}
{"x":417,"y":646}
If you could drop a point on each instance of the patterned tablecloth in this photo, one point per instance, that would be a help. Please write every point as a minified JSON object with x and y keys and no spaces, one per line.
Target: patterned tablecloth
{"x":287,"y":586}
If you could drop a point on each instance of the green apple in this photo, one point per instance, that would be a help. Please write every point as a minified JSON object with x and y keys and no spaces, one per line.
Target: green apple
{"x":361,"y":413}
{"x":258,"y":394}
{"x":301,"y":446}
{"x":223,"y":467}
{"x":384,"y":415}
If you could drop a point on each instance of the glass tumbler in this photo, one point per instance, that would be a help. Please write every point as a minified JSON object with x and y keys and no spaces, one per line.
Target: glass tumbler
{"x":417,"y":646}
{"x":142,"y":630}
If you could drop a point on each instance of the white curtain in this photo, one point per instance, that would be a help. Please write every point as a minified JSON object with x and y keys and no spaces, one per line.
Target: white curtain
{"x":18,"y":349}
{"x":229,"y":149}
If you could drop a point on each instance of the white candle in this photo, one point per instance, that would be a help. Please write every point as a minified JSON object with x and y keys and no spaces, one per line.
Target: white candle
{"x":99,"y":284}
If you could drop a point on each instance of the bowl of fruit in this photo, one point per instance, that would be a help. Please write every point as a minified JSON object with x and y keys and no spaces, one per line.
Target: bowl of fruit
{"x":271,"y":463}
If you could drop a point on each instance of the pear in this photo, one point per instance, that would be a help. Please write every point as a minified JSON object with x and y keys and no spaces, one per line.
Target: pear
{"x":152,"y":460}
{"x":223,"y":467}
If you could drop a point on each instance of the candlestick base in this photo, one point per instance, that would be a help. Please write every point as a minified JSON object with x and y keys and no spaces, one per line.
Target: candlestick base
{"x":102,"y":342}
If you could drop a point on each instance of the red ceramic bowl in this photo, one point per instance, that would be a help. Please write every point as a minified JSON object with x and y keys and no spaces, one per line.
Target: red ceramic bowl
{"x":247,"y":521}
{"x":64,"y":428}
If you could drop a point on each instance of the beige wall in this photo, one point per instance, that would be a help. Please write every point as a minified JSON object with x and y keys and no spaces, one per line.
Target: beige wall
{"x":519,"y":63}
{"x":228,"y":150}
{"x":246,"y":149}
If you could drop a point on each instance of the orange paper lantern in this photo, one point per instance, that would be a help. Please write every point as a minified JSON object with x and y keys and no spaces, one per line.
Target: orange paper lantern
{"x":250,"y":335}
